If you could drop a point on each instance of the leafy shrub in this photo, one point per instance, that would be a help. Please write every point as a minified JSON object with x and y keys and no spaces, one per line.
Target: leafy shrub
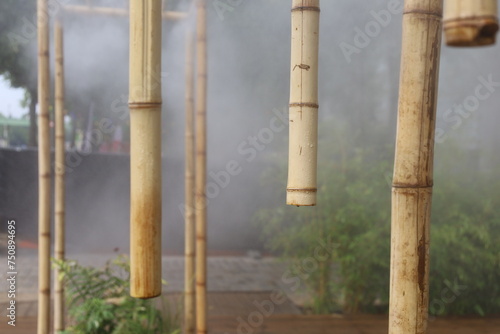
{"x":99,"y":302}
{"x":353,"y":213}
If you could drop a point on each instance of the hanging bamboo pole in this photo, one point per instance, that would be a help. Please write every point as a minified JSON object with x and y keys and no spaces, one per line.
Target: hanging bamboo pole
{"x":470,"y":22}
{"x":44,"y":172}
{"x":145,"y":151}
{"x":59,"y":248}
{"x":413,"y":167}
{"x":189,"y":294}
{"x":89,"y":10}
{"x":201,"y":168}
{"x":303,"y":110}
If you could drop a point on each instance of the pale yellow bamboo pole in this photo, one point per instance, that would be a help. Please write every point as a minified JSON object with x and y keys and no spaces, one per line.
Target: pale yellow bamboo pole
{"x":201,"y":168}
{"x":470,"y":22}
{"x":303,"y":110}
{"x":44,"y":172}
{"x":190,"y":251}
{"x":59,"y":249}
{"x":413,"y":167}
{"x":89,"y":10}
{"x":145,"y":148}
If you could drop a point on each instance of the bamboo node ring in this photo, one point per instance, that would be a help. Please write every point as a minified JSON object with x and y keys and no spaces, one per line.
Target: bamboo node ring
{"x":423,"y":12}
{"x":468,"y":18}
{"x":305,"y":8}
{"x":407,"y":186}
{"x":304,"y":104}
{"x":143,"y":105}
{"x":308,"y":190}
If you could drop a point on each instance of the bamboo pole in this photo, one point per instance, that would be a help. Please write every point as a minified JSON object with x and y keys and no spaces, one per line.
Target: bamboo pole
{"x":303,"y":109}
{"x":59,"y":214}
{"x":44,"y":172}
{"x":201,"y":168}
{"x":413,"y":167}
{"x":145,"y":151}
{"x":189,"y":295}
{"x":470,"y":22}
{"x":89,"y":10}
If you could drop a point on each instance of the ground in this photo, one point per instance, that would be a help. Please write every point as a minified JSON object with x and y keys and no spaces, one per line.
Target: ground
{"x":243,"y":299}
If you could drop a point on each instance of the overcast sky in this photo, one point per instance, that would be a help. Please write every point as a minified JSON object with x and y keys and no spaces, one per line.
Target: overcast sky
{"x":10,"y":99}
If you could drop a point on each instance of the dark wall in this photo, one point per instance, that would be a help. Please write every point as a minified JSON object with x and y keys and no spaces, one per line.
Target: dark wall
{"x":97,"y":207}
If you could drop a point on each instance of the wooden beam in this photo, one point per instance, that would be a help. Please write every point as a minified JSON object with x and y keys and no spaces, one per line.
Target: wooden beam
{"x":109,"y":11}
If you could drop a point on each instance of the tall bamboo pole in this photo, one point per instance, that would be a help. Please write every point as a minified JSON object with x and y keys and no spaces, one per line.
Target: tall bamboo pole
{"x":59,"y":213}
{"x":189,"y":294}
{"x":470,"y":22}
{"x":413,"y":166}
{"x":145,"y":150}
{"x":44,"y":172}
{"x":201,"y":168}
{"x":303,"y":109}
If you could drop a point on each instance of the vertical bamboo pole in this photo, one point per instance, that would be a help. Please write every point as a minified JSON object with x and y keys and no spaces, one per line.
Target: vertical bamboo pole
{"x":413,"y":167}
{"x":470,"y":22}
{"x":44,"y":172}
{"x":145,"y":151}
{"x":303,"y":109}
{"x":189,"y":294}
{"x":59,"y":248}
{"x":201,"y":168}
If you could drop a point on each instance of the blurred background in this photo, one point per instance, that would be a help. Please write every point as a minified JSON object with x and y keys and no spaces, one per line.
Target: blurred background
{"x":248,"y":91}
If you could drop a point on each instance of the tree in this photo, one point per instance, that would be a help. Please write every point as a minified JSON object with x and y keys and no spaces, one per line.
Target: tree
{"x":17,"y":47}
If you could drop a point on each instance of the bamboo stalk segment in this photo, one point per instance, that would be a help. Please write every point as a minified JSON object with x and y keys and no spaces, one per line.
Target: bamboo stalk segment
{"x":145,"y":150}
{"x":413,"y":167}
{"x":44,"y":172}
{"x":303,"y":109}
{"x":89,"y":10}
{"x":59,"y":248}
{"x":201,"y":168}
{"x":470,"y":22}
{"x":189,"y":293}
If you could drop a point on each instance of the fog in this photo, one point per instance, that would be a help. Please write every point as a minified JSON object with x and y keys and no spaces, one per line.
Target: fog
{"x":248,"y":87}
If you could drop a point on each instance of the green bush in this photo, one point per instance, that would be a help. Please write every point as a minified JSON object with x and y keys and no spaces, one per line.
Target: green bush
{"x":99,"y":302}
{"x":353,"y":213}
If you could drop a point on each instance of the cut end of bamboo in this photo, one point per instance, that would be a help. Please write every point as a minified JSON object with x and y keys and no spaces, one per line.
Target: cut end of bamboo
{"x":149,"y":295}
{"x":470,"y":32}
{"x":301,"y":197}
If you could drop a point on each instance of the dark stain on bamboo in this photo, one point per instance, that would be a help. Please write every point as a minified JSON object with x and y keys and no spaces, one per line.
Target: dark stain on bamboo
{"x":422,"y":268}
{"x":302,"y":66}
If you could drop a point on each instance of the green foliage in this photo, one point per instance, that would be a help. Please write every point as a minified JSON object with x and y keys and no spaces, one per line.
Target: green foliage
{"x":465,"y":237}
{"x":99,"y":302}
{"x":352,"y":218}
{"x":353,"y":215}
